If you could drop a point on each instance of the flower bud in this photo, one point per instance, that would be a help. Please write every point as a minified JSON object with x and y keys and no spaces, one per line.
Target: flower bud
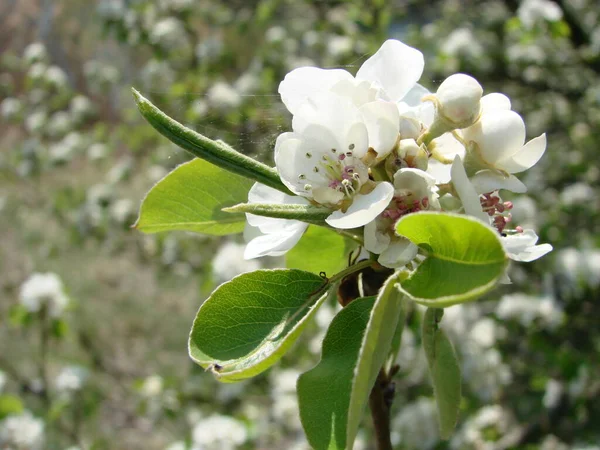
{"x":458,"y":100}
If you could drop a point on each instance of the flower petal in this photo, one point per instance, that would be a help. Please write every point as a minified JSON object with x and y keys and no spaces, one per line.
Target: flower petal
{"x":521,"y":246}
{"x":375,"y":241}
{"x":272,"y":244}
{"x":486,"y":181}
{"x":499,"y":135}
{"x":399,"y":253}
{"x":468,"y":196}
{"x":494,"y":102}
{"x":364,"y":208}
{"x":414,"y":95}
{"x":382,"y":120}
{"x":439,"y":171}
{"x":301,"y":83}
{"x":527,"y":156}
{"x":395,"y":66}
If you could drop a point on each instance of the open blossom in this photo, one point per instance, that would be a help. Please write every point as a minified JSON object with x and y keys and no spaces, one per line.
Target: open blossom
{"x":496,"y":145}
{"x":385,"y":83}
{"x":414,"y":190}
{"x":321,"y":160}
{"x":267,"y":235}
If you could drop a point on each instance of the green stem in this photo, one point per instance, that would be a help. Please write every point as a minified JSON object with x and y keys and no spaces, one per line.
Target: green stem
{"x":217,"y":153}
{"x":350,"y":270}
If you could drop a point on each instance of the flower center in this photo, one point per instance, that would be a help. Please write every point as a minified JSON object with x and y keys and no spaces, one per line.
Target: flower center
{"x":339,"y":170}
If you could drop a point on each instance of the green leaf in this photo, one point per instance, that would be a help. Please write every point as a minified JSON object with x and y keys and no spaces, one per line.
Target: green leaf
{"x":10,"y":404}
{"x":324,"y":391}
{"x":376,"y":344}
{"x":320,"y":250}
{"x":305,"y":213}
{"x":248,"y":323}
{"x":444,"y":370}
{"x":465,"y":258}
{"x":215,"y":152}
{"x":191,"y":198}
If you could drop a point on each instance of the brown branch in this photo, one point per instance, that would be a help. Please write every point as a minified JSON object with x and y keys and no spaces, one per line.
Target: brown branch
{"x":380,"y":402}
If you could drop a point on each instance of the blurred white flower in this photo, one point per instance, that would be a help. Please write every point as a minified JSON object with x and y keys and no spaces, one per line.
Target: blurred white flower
{"x":526,"y":309}
{"x":71,"y":379}
{"x":37,"y":72}
{"x":532,"y":11}
{"x":81,"y":107}
{"x":22,"y":432}
{"x":553,"y":393}
{"x":10,"y":108}
{"x":177,"y":445}
{"x":56,"y":77}
{"x":229,"y":262}
{"x":35,"y":52}
{"x":415,"y":427}
{"x":59,"y":124}
{"x":222,"y":95}
{"x":44,"y":290}
{"x":462,"y":41}
{"x":97,"y":151}
{"x":338,"y":46}
{"x":472,"y":434}
{"x":247,"y":83}
{"x":36,"y":121}
{"x":579,"y":193}
{"x":152,"y":386}
{"x":218,"y":433}
{"x":210,"y":48}
{"x":275,"y":34}
{"x":169,"y":33}
{"x":123,"y":211}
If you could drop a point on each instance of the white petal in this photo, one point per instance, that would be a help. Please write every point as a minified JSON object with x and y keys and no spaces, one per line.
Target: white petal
{"x":273,"y":244}
{"x":459,"y":98}
{"x":521,"y":246}
{"x":414,"y":96}
{"x":395,"y":66}
{"x":364,"y":208}
{"x":399,"y":253}
{"x":486,"y":181}
{"x":289,"y":159}
{"x":499,"y":134}
{"x":439,"y":171}
{"x":526,"y":157}
{"x":301,"y":83}
{"x":334,"y":120}
{"x":448,"y":146}
{"x":375,"y":241}
{"x":382,"y":121}
{"x":466,"y":191}
{"x":494,"y":101}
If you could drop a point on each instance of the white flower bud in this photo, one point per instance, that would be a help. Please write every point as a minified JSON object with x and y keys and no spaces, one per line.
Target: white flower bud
{"x":458,"y":100}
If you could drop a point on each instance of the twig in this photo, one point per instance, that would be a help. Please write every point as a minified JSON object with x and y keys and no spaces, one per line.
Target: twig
{"x":380,"y":402}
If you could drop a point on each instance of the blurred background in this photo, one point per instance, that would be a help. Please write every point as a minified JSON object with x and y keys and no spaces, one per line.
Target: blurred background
{"x":104,"y":364}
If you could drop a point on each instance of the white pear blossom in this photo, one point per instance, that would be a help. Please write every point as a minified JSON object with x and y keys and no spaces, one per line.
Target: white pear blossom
{"x":497,"y":150}
{"x":414,"y":190}
{"x":71,"y":379}
{"x":385,"y":85}
{"x":267,"y":235}
{"x":322,"y":160}
{"x":44,"y":290}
